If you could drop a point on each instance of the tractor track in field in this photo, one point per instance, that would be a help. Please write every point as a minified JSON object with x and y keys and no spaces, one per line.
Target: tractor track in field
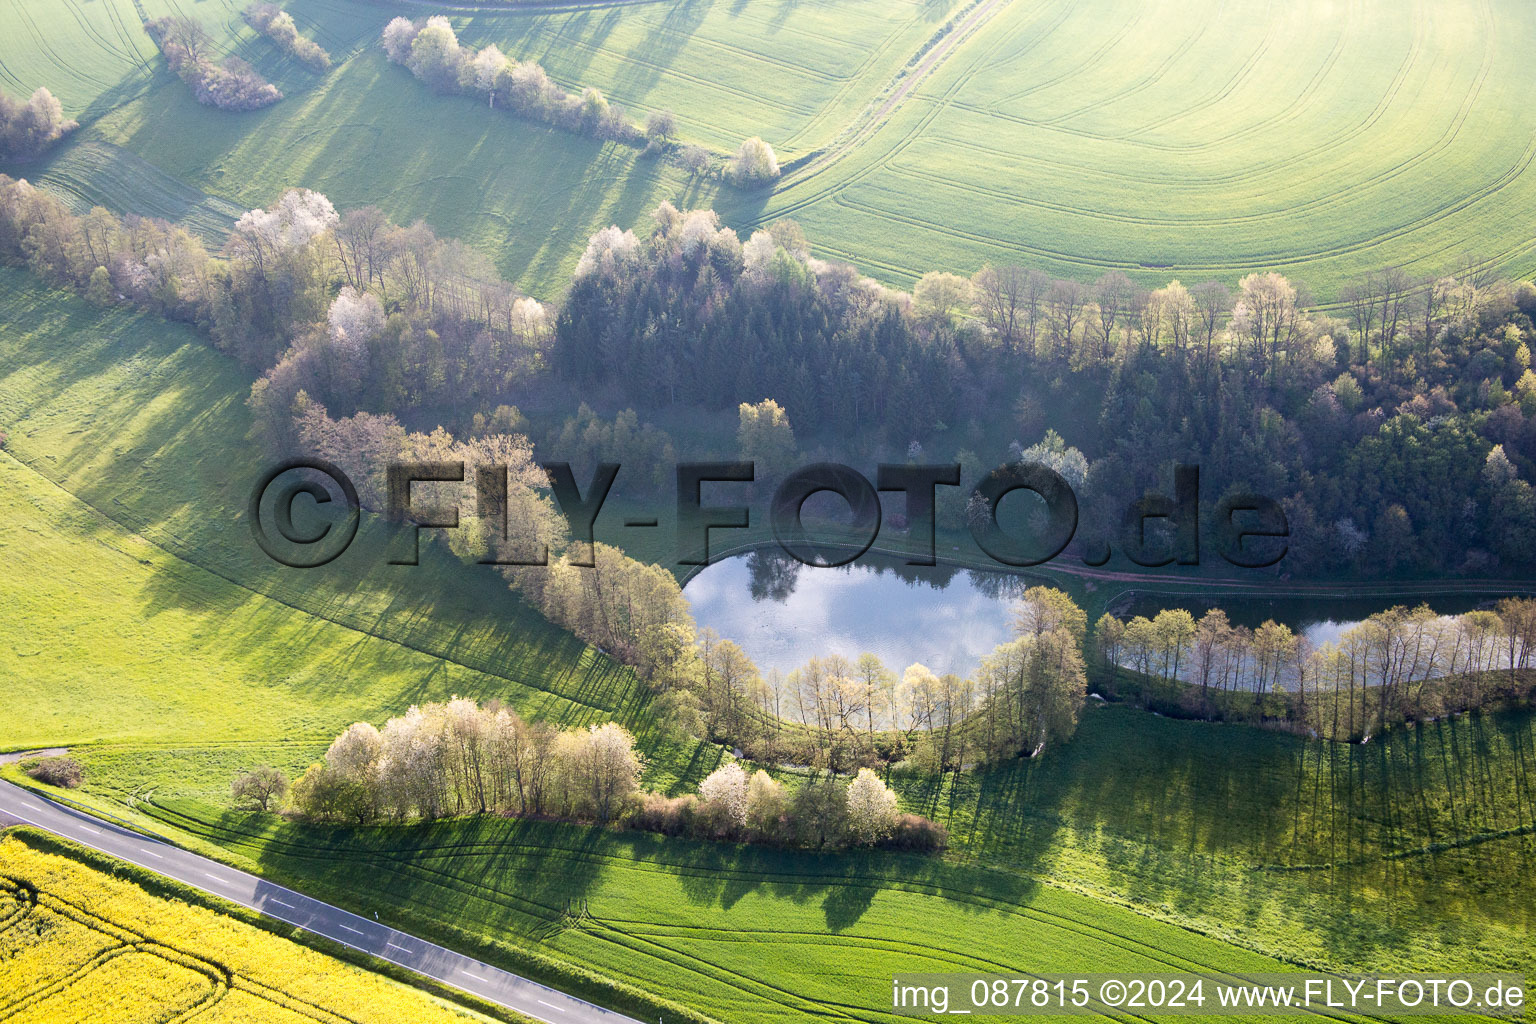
{"x":859,"y":132}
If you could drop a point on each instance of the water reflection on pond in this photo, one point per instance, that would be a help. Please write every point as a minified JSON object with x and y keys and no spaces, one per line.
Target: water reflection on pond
{"x":782,"y":612}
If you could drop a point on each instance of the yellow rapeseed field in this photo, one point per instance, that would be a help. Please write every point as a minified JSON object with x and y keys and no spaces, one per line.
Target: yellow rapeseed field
{"x":79,"y":945}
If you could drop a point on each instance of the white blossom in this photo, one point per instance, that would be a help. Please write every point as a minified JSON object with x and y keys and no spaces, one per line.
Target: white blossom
{"x":607,"y":250}
{"x":727,"y":785}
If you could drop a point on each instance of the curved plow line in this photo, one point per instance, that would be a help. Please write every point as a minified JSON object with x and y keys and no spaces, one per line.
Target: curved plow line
{"x":826,"y":110}
{"x":1089,"y":63}
{"x":1040,"y":36}
{"x":94,"y":172}
{"x":91,"y":31}
{"x":41,"y":42}
{"x":870,"y":167}
{"x":936,"y":106}
{"x":876,"y":883}
{"x":1116,"y":940}
{"x":336,"y":620}
{"x":1288,"y":113}
{"x":131,"y":36}
{"x":1237,"y":262}
{"x":9,"y":76}
{"x":48,"y":990}
{"x":958,"y":958}
{"x":1319,"y":203}
{"x":856,"y":132}
{"x":214,"y":971}
{"x":1297,"y":107}
{"x":1291,"y":110}
{"x":1248,"y":174}
{"x":1148,"y":80}
{"x":1238,"y":77}
{"x":679,"y":960}
{"x":741,"y":982}
{"x":24,"y":908}
{"x":246,"y":985}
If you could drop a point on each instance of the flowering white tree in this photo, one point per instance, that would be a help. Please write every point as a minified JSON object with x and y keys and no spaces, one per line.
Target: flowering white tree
{"x":354,"y":317}
{"x":487,"y":64}
{"x":1054,"y":453}
{"x":757,"y":257}
{"x":399,"y":34}
{"x":606,"y":251}
{"x":530,"y":322}
{"x":753,"y":164}
{"x":599,"y":768}
{"x":871,"y":808}
{"x":283,"y":229}
{"x":727,"y":786}
{"x":355,"y":752}
{"x":701,"y":232}
{"x":1497,"y":469}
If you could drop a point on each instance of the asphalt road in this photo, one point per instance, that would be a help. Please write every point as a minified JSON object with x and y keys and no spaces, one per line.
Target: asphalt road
{"x":433,"y":961}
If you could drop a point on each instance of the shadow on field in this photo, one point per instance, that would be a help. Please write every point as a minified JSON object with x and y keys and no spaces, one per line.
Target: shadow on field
{"x":1423,"y":831}
{"x":497,"y":873}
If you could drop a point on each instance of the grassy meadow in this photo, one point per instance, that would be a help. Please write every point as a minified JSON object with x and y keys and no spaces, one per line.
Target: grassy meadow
{"x":1191,"y":140}
{"x":128,"y":463}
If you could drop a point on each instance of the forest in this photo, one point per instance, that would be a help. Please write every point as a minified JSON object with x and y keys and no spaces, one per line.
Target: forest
{"x":358,"y":327}
{"x":1358,"y":419}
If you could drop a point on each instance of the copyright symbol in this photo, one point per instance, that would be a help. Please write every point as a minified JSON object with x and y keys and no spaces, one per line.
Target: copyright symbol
{"x":1112,"y":992}
{"x":296,"y":547}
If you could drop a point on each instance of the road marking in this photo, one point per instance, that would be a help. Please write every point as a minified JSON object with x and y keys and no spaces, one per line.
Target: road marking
{"x":393,"y":945}
{"x":349,"y":928}
{"x":55,"y":829}
{"x":152,"y":853}
{"x":218,"y":878}
{"x":89,"y":829}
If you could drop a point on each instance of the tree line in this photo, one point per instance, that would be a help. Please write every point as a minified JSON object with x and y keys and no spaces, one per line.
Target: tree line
{"x":278,"y":25}
{"x":230,"y":84}
{"x":430,"y":49}
{"x":1399,"y":665}
{"x":1268,"y":397}
{"x":459,"y":758}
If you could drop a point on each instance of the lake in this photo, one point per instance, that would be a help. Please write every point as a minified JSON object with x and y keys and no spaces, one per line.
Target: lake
{"x":782,"y":613}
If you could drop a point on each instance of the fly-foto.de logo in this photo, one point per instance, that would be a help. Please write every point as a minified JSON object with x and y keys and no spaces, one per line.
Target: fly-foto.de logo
{"x":305,"y":512}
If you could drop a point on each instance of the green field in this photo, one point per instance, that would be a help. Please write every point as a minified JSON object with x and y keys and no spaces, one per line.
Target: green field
{"x":1200,"y":140}
{"x":1193,"y":140}
{"x":130,"y":433}
{"x":143,"y":630}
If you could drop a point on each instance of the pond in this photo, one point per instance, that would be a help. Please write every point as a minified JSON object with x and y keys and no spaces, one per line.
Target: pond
{"x":782,"y":613}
